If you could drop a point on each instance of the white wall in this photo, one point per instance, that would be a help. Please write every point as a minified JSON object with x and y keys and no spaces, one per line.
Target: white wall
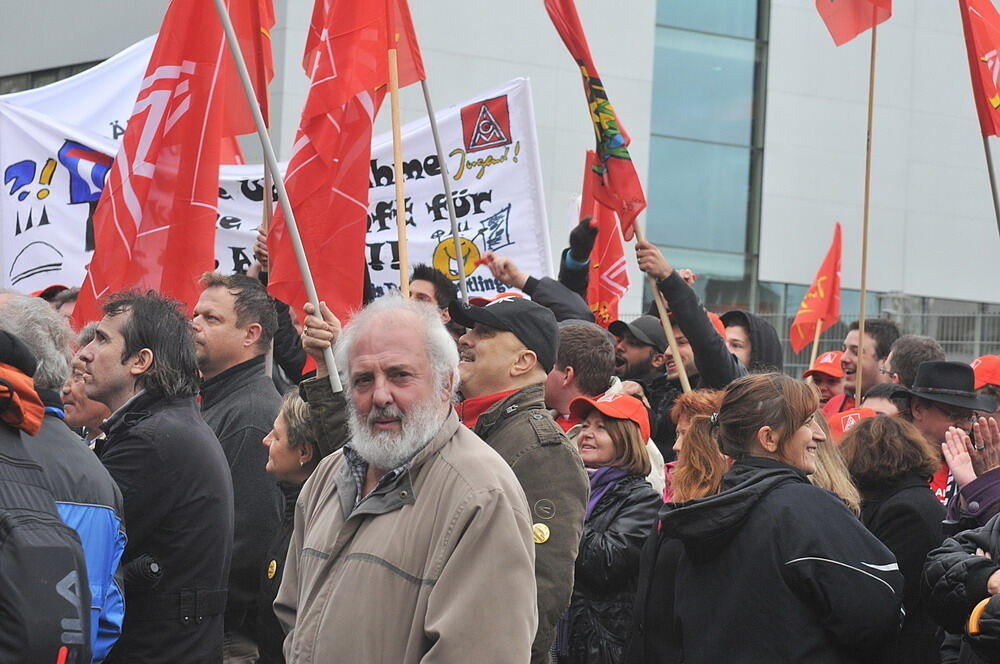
{"x":932,"y":227}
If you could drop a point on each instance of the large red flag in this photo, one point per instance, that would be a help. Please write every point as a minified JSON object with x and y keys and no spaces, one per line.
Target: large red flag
{"x":327,"y":177}
{"x":155,"y":223}
{"x":620,"y":188}
{"x":846,"y":19}
{"x":821,"y":302}
{"x":607,"y":279}
{"x":981,"y":23}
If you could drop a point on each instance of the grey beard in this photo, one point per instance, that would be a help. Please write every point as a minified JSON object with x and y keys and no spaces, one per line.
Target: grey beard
{"x":386,"y":450}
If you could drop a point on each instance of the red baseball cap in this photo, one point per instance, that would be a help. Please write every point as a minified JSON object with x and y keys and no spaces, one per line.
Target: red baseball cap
{"x":987,"y":370}
{"x":827,"y":363}
{"x":841,"y":423}
{"x":620,"y":406}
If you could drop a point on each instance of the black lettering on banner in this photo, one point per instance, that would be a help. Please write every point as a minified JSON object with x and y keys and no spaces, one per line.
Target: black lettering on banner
{"x":465,"y":203}
{"x":375,"y":258}
{"x":385,"y":212}
{"x":230,"y":222}
{"x":240,"y":260}
{"x":383,"y":175}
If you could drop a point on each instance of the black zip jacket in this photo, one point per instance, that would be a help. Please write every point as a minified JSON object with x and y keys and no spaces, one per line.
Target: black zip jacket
{"x":904,"y":514}
{"x":600,"y":611}
{"x":774,"y":569}
{"x":178,"y":500}
{"x":270,"y":635}
{"x":240,"y":405}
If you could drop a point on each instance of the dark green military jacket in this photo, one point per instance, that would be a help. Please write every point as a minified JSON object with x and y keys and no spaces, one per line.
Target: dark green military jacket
{"x":550,"y":471}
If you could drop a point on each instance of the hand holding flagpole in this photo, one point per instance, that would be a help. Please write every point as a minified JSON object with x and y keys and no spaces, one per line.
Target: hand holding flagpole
{"x":271,"y":163}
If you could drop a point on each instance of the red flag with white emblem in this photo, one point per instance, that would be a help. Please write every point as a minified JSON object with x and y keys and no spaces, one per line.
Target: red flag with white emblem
{"x":821,"y":302}
{"x":608,"y":274}
{"x":155,"y":223}
{"x":981,"y":24}
{"x":327,"y":176}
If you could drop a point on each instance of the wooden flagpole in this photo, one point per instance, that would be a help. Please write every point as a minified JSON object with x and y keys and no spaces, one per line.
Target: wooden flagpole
{"x":815,"y":348}
{"x":397,"y":162}
{"x":271,"y":162}
{"x":859,"y":388}
{"x":661,"y":308}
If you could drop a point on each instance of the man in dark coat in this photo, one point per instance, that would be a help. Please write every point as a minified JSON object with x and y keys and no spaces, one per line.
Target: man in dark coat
{"x":753,"y":341}
{"x":234,"y":321}
{"x":173,"y":477}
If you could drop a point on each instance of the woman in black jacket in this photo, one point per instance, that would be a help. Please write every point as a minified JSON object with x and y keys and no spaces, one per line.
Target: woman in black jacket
{"x":293,"y":454}
{"x":774,"y":569}
{"x":620,"y":513}
{"x":892,"y":464}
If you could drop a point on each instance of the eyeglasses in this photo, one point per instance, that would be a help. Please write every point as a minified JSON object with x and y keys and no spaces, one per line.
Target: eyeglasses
{"x":957,"y":414}
{"x":886,"y":372}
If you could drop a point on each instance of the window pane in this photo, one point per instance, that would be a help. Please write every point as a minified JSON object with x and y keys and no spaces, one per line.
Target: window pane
{"x":698,"y":195}
{"x":726,"y":17}
{"x":703,"y":86}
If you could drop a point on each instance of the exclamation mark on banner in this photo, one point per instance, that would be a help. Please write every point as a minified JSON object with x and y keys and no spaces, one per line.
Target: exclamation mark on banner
{"x":517,"y":150}
{"x":46,"y":178}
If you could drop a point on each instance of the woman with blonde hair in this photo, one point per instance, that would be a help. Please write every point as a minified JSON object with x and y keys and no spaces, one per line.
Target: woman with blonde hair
{"x":892,"y":464}
{"x":620,"y":513}
{"x":831,"y":471}
{"x":772,"y":568}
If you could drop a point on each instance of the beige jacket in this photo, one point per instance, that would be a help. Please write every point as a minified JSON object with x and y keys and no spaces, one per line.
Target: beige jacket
{"x":437,"y":566}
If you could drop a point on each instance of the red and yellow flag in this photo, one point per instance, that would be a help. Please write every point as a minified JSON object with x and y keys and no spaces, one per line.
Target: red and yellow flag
{"x":607,"y":280}
{"x":821,"y":303}
{"x":846,"y":19}
{"x":981,"y":24}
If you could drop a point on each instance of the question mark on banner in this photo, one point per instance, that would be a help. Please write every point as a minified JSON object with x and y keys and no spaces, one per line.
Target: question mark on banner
{"x":21,"y":174}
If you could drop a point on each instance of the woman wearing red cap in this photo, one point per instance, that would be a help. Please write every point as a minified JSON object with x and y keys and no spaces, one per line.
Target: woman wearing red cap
{"x":620,"y":513}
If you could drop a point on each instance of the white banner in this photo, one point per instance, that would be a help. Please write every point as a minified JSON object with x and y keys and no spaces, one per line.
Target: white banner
{"x":99,"y":100}
{"x":53,"y":174}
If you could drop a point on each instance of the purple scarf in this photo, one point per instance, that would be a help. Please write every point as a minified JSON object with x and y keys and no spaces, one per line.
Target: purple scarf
{"x":601,"y":481}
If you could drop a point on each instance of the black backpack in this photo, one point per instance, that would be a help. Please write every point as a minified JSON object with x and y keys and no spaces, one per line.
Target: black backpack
{"x":44,"y":596}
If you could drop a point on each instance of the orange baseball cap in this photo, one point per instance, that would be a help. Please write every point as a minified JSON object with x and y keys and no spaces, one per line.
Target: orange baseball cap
{"x":987,"y":370}
{"x":827,"y":363}
{"x":841,"y":423}
{"x":620,"y":406}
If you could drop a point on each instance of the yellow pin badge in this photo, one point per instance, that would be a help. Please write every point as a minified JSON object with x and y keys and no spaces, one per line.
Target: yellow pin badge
{"x":272,"y":568}
{"x":540,"y":532}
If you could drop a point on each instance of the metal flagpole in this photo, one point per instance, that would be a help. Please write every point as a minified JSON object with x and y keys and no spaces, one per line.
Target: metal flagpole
{"x":446,"y":180}
{"x":271,"y":162}
{"x":993,"y":180}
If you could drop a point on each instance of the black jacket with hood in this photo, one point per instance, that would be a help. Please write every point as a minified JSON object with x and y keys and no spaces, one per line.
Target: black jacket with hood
{"x":774,"y":569}
{"x":765,"y":348}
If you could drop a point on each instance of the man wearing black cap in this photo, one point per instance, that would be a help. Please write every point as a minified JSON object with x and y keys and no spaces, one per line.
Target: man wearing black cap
{"x":510,"y":347}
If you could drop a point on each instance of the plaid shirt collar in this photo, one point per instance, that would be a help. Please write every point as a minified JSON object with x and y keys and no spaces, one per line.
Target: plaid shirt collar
{"x":359,"y":470}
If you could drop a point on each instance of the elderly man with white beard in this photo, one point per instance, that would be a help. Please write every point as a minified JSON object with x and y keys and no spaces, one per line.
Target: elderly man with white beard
{"x":412,"y":542}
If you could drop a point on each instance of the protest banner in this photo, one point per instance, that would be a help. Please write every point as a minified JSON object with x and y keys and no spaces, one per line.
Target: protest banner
{"x":53,"y":174}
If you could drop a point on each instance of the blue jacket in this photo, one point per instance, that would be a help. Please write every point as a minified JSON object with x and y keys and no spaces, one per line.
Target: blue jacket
{"x":88,"y":501}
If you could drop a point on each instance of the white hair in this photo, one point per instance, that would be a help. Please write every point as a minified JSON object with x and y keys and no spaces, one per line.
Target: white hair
{"x":442,"y":355}
{"x":44,"y":332}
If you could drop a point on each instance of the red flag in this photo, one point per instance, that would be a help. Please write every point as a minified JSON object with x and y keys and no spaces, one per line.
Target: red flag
{"x":981,"y":24}
{"x":608,"y":275}
{"x":327,"y":177}
{"x":846,"y":19}
{"x":155,"y":223}
{"x":620,"y":188}
{"x":257,"y":17}
{"x":821,"y":302}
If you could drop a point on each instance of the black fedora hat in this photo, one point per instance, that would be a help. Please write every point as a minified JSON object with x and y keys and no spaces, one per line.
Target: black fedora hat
{"x":951,"y":383}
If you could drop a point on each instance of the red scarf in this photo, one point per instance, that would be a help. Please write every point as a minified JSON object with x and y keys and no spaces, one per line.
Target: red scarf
{"x":941,"y":484}
{"x":469,"y":410}
{"x":22,"y":408}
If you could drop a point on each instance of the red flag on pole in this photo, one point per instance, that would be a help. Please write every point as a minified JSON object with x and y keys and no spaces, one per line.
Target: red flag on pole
{"x":620,"y":188}
{"x":155,"y":223}
{"x":608,"y":275}
{"x":821,"y":302}
{"x":327,"y":176}
{"x":846,"y":19}
{"x":981,"y":24}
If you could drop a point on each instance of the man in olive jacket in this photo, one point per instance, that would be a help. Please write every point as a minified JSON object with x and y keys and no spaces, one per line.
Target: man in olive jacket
{"x":505,"y":358}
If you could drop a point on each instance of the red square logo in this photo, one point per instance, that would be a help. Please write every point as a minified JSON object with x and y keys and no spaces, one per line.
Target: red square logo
{"x":486,"y":124}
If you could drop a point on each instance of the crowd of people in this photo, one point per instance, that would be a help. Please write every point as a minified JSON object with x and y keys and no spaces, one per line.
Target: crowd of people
{"x":499,"y":480}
